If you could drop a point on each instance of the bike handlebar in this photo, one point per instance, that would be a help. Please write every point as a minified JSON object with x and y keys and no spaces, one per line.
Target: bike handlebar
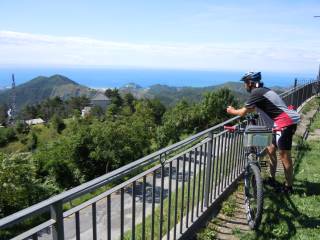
{"x":230,"y":128}
{"x":236,"y":128}
{"x":251,"y":119}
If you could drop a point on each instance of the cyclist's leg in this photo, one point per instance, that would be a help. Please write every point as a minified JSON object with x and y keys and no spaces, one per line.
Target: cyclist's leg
{"x":285,"y":156}
{"x":272,"y":160}
{"x":284,"y":145}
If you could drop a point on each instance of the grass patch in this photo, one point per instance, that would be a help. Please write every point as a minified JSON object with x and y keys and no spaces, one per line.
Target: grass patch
{"x":313,"y":104}
{"x":12,"y":147}
{"x":229,"y":206}
{"x":316,"y":124}
{"x":208,"y":233}
{"x":44,"y":134}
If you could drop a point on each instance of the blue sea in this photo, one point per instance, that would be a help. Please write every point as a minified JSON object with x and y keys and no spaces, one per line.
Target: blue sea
{"x":118,"y":77}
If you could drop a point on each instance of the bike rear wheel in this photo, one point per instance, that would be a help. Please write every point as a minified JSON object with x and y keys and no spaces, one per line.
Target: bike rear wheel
{"x":253,"y":195}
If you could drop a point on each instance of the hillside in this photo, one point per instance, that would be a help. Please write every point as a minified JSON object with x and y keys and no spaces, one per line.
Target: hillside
{"x":169,"y":96}
{"x":40,"y":88}
{"x":136,"y":90}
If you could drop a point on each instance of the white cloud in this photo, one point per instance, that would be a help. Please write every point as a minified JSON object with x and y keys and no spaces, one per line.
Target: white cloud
{"x":36,"y":49}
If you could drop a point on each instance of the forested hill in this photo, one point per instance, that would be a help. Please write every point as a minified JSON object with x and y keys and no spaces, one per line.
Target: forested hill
{"x":171,"y":95}
{"x":40,"y":88}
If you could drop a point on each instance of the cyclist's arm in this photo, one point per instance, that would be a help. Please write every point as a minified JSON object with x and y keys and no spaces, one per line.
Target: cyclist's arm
{"x":241,"y":111}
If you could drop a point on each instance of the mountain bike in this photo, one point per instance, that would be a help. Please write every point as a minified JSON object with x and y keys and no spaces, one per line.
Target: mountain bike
{"x":254,"y":138}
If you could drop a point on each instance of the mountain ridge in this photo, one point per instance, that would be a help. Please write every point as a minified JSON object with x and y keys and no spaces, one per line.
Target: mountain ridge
{"x":42,"y":87}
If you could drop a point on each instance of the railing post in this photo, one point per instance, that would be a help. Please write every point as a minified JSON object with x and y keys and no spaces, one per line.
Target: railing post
{"x":208,"y":172}
{"x":56,"y":210}
{"x":303,"y":93}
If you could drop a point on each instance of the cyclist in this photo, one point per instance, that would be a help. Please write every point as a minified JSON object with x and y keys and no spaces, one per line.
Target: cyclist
{"x":275,"y":113}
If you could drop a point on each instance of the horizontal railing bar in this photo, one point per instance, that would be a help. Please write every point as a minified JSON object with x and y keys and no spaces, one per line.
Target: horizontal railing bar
{"x":25,"y":213}
{"x":34,"y":230}
{"x":220,"y":134}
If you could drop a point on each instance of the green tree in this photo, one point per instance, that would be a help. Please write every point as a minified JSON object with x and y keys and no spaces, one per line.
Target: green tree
{"x":30,"y":112}
{"x":7,"y":135}
{"x":184,"y":118}
{"x":51,"y":107}
{"x":77,"y":103}
{"x":115,"y":96}
{"x":158,"y":110}
{"x":19,"y":185}
{"x":214,"y":105}
{"x":97,"y":112}
{"x":21,"y":127}
{"x":128,"y":100}
{"x":32,"y":142}
{"x":144,"y":114}
{"x":175,"y":121}
{"x":112,"y":112}
{"x":115,"y":144}
{"x":96,"y":148}
{"x":57,"y":123}
{"x":56,"y":163}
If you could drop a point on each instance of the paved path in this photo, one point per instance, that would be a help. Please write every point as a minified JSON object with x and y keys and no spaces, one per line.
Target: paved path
{"x":225,"y":226}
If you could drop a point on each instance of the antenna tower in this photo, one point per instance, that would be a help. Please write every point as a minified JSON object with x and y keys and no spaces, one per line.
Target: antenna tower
{"x":13,"y":100}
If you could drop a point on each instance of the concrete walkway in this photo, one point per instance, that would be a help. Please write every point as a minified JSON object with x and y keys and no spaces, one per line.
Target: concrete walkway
{"x":305,"y":121}
{"x":226,"y":226}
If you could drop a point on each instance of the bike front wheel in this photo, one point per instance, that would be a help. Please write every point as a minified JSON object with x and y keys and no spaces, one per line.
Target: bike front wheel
{"x":253,"y":195}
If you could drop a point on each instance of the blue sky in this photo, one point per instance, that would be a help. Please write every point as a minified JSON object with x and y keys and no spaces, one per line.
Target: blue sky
{"x":215,"y":35}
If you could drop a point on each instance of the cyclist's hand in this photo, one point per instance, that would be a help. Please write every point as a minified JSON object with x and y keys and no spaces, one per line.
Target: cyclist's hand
{"x":230,"y":109}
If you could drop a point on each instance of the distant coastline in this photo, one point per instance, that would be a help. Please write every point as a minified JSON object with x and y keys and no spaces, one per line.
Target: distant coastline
{"x":117,"y":77}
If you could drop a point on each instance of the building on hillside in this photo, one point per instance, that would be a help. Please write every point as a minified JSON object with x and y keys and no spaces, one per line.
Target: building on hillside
{"x":100,"y":100}
{"x":35,"y":121}
{"x":85,"y":112}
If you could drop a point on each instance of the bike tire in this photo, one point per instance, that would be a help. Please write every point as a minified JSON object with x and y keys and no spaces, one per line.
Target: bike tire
{"x":253,"y":195}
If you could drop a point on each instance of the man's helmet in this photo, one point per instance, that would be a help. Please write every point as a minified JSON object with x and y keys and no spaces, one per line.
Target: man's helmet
{"x":252,"y":76}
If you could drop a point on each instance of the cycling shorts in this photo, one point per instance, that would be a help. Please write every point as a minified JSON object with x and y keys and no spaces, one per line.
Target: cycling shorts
{"x":283,"y":139}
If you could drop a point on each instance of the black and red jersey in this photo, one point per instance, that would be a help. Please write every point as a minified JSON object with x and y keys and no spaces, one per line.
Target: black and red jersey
{"x":272,"y":108}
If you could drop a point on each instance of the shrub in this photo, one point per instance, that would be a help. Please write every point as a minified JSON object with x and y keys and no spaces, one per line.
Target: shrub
{"x":6,"y":135}
{"x":57,"y":123}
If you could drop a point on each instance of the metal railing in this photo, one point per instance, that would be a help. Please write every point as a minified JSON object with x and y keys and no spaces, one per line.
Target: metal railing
{"x":160,"y":196}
